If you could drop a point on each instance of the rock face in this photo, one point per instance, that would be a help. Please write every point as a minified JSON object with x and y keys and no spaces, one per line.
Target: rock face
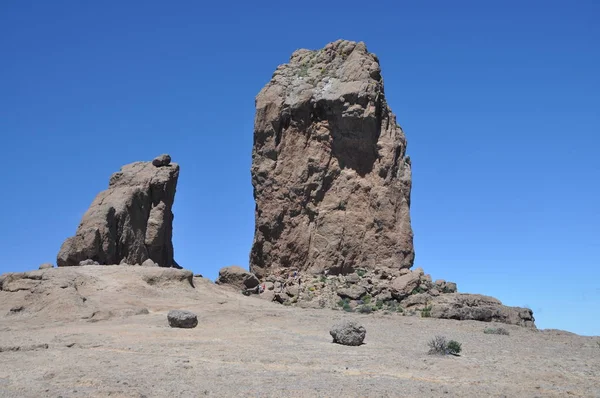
{"x":348,"y":333}
{"x":131,"y":221}
{"x":331,"y":180}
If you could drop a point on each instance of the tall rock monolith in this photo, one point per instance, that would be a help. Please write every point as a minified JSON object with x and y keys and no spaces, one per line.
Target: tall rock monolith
{"x":331,"y":180}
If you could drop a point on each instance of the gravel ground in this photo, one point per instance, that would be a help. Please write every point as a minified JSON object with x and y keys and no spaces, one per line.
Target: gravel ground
{"x":244,"y":346}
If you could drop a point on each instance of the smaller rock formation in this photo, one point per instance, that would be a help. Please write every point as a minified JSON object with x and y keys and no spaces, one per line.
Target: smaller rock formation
{"x":238,"y":278}
{"x":131,"y":221}
{"x":46,"y":266}
{"x":182,"y":319}
{"x":348,"y":333}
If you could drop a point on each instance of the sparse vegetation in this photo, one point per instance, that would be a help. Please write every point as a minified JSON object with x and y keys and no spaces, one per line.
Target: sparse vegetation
{"x":303,"y":72}
{"x":426,"y":312}
{"x":418,"y":290}
{"x":440,"y":346}
{"x":379,"y":304}
{"x":365,"y":309}
{"x":361,"y":272}
{"x":323,"y":279}
{"x":345,"y":304}
{"x":496,"y":331}
{"x":367,"y":299}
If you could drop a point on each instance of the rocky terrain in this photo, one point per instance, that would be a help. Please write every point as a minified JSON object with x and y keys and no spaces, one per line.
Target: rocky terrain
{"x":98,"y":331}
{"x":331,"y":261}
{"x":131,"y":222}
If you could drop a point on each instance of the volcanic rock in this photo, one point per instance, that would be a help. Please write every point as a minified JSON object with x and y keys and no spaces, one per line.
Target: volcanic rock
{"x":348,"y":333}
{"x":477,"y":307}
{"x":237,"y":277}
{"x":182,"y":319}
{"x":331,"y":180}
{"x":130,"y":222}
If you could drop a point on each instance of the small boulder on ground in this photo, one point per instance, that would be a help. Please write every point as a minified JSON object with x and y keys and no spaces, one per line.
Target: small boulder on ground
{"x":149,"y":263}
{"x":237,"y":277}
{"x":182,"y":319}
{"x":348,"y":333}
{"x":46,"y":266}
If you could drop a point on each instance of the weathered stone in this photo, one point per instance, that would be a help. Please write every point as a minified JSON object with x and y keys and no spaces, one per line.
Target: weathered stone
{"x":352,"y":278}
{"x":88,"y":262}
{"x":348,"y":333}
{"x":46,"y":266}
{"x":353,"y":292}
{"x":450,"y":287}
{"x":150,"y":263}
{"x":129,"y":222}
{"x":237,"y":277}
{"x":182,"y":319}
{"x":331,"y":180}
{"x":480,"y":308}
{"x":404,"y":285}
{"x":162,"y":160}
{"x":420,"y":299}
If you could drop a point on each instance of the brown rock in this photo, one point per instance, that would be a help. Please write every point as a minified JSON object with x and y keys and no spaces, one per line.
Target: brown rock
{"x":404,"y":285}
{"x":477,"y":307}
{"x":237,"y":277}
{"x":129,"y":222}
{"x":331,"y":180}
{"x":46,"y":266}
{"x":353,"y":292}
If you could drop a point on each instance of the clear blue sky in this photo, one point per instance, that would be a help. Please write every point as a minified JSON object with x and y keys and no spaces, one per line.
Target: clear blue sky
{"x":500,"y":102}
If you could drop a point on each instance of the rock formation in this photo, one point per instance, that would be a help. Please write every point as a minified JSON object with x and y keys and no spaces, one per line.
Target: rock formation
{"x":332,"y":189}
{"x":331,"y":179}
{"x":131,"y":221}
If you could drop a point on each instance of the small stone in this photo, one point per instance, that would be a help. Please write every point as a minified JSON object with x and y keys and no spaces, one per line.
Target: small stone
{"x":149,"y":263}
{"x":89,"y":262}
{"x":348,"y":333}
{"x":46,"y":266}
{"x":352,"y":278}
{"x":162,"y":160}
{"x":182,"y":319}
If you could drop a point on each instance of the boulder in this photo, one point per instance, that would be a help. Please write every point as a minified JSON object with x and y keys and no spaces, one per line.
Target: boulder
{"x":404,"y":285}
{"x":331,"y":180}
{"x":46,"y":266}
{"x":353,"y":292}
{"x":130,"y":222}
{"x":182,"y":319}
{"x":162,"y":160}
{"x":149,"y":263}
{"x":477,"y":307}
{"x":237,"y":277}
{"x":348,"y":333}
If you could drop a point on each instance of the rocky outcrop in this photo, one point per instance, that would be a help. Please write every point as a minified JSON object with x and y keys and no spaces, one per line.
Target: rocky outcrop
{"x":331,"y":180}
{"x":131,"y":221}
{"x":238,"y":278}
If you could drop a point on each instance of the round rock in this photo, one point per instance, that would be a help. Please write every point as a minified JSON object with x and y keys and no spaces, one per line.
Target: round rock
{"x":46,"y":266}
{"x":348,"y":333}
{"x":162,"y":160}
{"x":182,"y":319}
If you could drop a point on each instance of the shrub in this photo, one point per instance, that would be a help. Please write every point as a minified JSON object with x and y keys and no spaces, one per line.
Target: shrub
{"x":426,"y":312}
{"x":496,"y":331}
{"x":365,"y":309}
{"x":440,"y":346}
{"x":361,"y":272}
{"x":366,"y":299}
{"x":379,"y":304}
{"x":323,"y":279}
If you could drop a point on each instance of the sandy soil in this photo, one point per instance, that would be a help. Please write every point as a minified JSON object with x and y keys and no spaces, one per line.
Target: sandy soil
{"x":244,"y":346}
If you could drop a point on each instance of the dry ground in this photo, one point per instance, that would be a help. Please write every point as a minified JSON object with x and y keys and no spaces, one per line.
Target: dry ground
{"x":244,"y":346}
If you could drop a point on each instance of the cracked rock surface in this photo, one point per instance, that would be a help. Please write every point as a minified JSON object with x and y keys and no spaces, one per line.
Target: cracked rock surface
{"x":131,"y":221}
{"x":331,"y":180}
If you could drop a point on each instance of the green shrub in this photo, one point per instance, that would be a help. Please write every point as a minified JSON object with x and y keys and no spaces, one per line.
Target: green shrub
{"x":440,"y":346}
{"x":426,"y":312}
{"x":379,"y":304}
{"x":367,"y":298}
{"x":361,"y":272}
{"x":323,"y":279}
{"x":365,"y":309}
{"x":496,"y":331}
